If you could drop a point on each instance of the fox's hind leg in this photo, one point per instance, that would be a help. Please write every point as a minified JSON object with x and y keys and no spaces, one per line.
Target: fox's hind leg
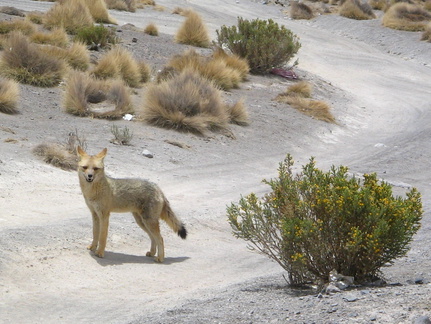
{"x":138,"y":218}
{"x":153,"y":227}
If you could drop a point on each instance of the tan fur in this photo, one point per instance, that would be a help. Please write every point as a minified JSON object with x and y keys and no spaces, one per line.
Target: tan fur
{"x":142,"y":198}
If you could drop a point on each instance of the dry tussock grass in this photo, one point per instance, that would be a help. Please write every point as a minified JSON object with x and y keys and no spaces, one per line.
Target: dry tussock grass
{"x":119,"y":63}
{"x":151,"y":29}
{"x":379,"y":4}
{"x":187,"y":102}
{"x":122,"y":5}
{"x":426,"y":35}
{"x":298,"y":97}
{"x":300,"y":10}
{"x":76,"y":55}
{"x":35,"y":17}
{"x":26,"y":27}
{"x":56,"y":37}
{"x":193,"y":31}
{"x":233,"y":61}
{"x":182,"y":11}
{"x":83,"y":90}
{"x":356,"y":9}
{"x":99,"y":11}
{"x":405,"y":16}
{"x":238,"y":113}
{"x":9,"y":95}
{"x":68,"y":14}
{"x":26,"y":63}
{"x":145,"y":71}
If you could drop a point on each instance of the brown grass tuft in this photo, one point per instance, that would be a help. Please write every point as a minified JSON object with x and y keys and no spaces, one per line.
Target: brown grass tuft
{"x":356,"y":9}
{"x":151,"y":29}
{"x":233,"y":61}
{"x":405,"y":16}
{"x":99,"y":11}
{"x":70,"y":15}
{"x":35,"y":17}
{"x":301,"y":88}
{"x":379,"y":4}
{"x":24,"y":26}
{"x":238,"y":113}
{"x":9,"y":94}
{"x":26,"y":63}
{"x":57,"y":37}
{"x":181,"y":11}
{"x":57,"y":155}
{"x":76,"y":55}
{"x":299,"y":10}
{"x":426,"y":35}
{"x":118,"y":62}
{"x":123,"y":5}
{"x":82,"y":90}
{"x":145,"y":71}
{"x":193,"y":32}
{"x":187,"y":102}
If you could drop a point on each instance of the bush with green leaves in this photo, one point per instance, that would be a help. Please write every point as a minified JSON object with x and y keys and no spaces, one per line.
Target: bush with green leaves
{"x":96,"y":36}
{"x":314,"y":222}
{"x":264,"y":43}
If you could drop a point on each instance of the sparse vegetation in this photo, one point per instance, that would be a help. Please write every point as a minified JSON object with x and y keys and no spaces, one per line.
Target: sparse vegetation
{"x":315,"y":222}
{"x":56,"y":37}
{"x":68,"y":14}
{"x":82,"y":90}
{"x":187,"y":102}
{"x":96,"y":36}
{"x":356,"y":9}
{"x":26,"y":63}
{"x":123,"y":5}
{"x":263,"y":43}
{"x":35,"y":17}
{"x":151,"y":29}
{"x":193,"y":31}
{"x":76,"y":55}
{"x":405,"y":16}
{"x":9,"y":95}
{"x":122,"y":136}
{"x":299,"y":10}
{"x":24,"y":26}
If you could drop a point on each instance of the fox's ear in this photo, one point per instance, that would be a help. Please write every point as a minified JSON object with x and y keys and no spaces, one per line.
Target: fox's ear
{"x":101,"y":155}
{"x":81,"y":152}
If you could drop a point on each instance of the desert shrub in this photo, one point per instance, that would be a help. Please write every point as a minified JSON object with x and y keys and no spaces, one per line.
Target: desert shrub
{"x":187,"y":102}
{"x":299,"y":10}
{"x":356,"y":9}
{"x":145,"y":71}
{"x":151,"y":29}
{"x":123,"y":5}
{"x":96,"y":36}
{"x":119,"y":63}
{"x":68,"y":14}
{"x":426,"y":35}
{"x":26,"y":63}
{"x":379,"y":4}
{"x":9,"y":95}
{"x":99,"y":11}
{"x":24,"y":26}
{"x":122,"y":136}
{"x":193,"y":31}
{"x":405,"y":16}
{"x":315,"y":222}
{"x":76,"y":55}
{"x":263,"y":43}
{"x":82,"y":90}
{"x":57,"y":37}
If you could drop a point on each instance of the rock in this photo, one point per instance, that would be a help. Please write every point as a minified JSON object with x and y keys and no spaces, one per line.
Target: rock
{"x":331,"y":288}
{"x":350,"y":298}
{"x":147,"y":154}
{"x":422,"y":320}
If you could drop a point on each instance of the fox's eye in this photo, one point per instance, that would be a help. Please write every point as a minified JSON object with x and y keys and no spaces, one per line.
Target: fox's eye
{"x":85,"y":167}
{"x":95,"y":169}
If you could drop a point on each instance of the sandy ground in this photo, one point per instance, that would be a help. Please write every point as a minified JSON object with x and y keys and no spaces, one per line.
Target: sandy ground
{"x":378,"y":83}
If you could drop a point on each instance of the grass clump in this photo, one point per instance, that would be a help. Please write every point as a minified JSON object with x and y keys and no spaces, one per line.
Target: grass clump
{"x":356,"y":9}
{"x":99,"y":11}
{"x":187,"y":102}
{"x":26,"y":63}
{"x":123,"y":5}
{"x":426,"y":35}
{"x":263,"y":43}
{"x":68,"y":14}
{"x":193,"y":31}
{"x":122,"y":136}
{"x":405,"y":16}
{"x":76,"y":55}
{"x":119,"y":63}
{"x":24,"y":26}
{"x":83,"y":94}
{"x":315,"y":222}
{"x":151,"y":29}
{"x":57,"y":37}
{"x":299,"y":10}
{"x":96,"y":36}
{"x":9,"y":95}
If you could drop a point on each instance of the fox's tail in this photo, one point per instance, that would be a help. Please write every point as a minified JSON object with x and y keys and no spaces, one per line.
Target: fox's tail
{"x":171,"y":219}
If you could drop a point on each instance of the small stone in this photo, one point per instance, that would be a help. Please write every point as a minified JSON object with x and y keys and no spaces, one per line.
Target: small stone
{"x":134,"y":40}
{"x":419,"y":281}
{"x":147,"y":154}
{"x":350,"y":298}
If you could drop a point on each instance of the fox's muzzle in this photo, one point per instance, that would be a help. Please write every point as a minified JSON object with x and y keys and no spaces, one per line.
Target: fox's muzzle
{"x":89,"y":177}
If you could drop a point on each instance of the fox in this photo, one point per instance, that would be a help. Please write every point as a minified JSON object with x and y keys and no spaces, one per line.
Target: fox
{"x":143,"y":198}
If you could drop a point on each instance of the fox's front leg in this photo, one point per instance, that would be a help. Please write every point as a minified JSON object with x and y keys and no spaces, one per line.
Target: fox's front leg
{"x":93,"y":245}
{"x":103,"y":233}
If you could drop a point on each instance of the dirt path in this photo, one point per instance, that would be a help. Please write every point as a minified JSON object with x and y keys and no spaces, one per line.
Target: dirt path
{"x":381,"y":102}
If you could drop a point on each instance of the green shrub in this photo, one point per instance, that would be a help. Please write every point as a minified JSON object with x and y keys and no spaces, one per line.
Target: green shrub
{"x":315,"y":222}
{"x":97,"y":35}
{"x":263,"y":43}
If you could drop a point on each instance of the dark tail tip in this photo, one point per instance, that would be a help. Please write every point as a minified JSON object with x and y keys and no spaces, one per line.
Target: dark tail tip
{"x":182,"y":232}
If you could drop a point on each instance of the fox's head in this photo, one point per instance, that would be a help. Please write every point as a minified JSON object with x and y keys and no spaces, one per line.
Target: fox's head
{"x":90,"y":166}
